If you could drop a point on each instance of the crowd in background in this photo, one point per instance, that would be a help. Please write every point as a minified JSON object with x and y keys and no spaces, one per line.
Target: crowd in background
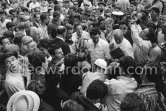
{"x":82,"y":55}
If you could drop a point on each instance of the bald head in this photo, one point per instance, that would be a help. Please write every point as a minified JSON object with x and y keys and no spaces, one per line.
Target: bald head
{"x":118,"y":36}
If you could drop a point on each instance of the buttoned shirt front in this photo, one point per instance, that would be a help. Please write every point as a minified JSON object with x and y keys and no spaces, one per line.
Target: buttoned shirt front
{"x":100,"y":51}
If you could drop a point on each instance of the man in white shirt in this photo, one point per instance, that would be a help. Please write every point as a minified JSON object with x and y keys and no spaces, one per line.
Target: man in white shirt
{"x":123,"y":43}
{"x":124,"y":84}
{"x":77,"y":36}
{"x":141,"y":44}
{"x":33,"y":5}
{"x":97,"y":47}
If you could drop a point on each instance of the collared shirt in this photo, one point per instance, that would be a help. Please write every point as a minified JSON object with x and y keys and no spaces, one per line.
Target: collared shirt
{"x":149,"y":95}
{"x":117,"y":90}
{"x":100,"y":51}
{"x":126,"y":48}
{"x":61,"y":38}
{"x":141,"y":47}
{"x":75,"y":39}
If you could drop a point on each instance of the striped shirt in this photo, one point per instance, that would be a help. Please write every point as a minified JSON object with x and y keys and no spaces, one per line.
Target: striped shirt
{"x":149,"y":95}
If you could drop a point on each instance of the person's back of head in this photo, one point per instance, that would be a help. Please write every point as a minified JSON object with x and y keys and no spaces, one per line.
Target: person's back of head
{"x":72,"y":105}
{"x":61,"y":30}
{"x":96,"y":90}
{"x":36,"y":59}
{"x":70,"y":60}
{"x":132,"y":102}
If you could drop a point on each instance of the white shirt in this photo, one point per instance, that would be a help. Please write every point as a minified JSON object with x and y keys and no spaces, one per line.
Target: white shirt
{"x":117,"y":90}
{"x":101,"y":51}
{"x":126,"y":48}
{"x":141,"y":47}
{"x":13,"y":83}
{"x":75,"y":40}
{"x":32,"y":5}
{"x":88,"y":78}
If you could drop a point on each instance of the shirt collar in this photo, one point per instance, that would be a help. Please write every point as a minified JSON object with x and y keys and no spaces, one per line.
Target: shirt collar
{"x":60,"y":38}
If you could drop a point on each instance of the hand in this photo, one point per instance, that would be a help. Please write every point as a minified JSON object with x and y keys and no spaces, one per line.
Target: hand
{"x":104,"y":108}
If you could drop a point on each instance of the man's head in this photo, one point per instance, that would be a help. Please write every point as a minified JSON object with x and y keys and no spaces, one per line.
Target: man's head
{"x":127,"y":64}
{"x":155,"y":12}
{"x":38,"y":60}
{"x":124,"y":27}
{"x":77,"y":18}
{"x":44,"y":45}
{"x":32,"y":46}
{"x":118,"y":36}
{"x":69,"y":28}
{"x":11,"y":61}
{"x":56,"y":16}
{"x":109,"y":24}
{"x":44,"y":18}
{"x":37,"y":10}
{"x":56,"y":52}
{"x":96,"y":91}
{"x":10,"y":26}
{"x":37,"y":18}
{"x":100,"y":65}
{"x":4,"y":41}
{"x":61,"y":30}
{"x":148,"y":34}
{"x":132,"y":102}
{"x":2,"y":15}
{"x":95,"y":35}
{"x":79,"y":30}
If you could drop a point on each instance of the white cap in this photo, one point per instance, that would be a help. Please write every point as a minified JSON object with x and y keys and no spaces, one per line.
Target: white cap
{"x":119,"y":13}
{"x":101,"y":63}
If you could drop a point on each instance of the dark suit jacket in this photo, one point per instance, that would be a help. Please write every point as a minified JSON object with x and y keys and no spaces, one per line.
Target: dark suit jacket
{"x":87,"y":105}
{"x":63,"y":45}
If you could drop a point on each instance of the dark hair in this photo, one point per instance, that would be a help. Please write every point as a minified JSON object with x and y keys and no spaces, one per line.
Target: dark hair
{"x":164,"y":29}
{"x":156,"y":10}
{"x":72,"y":105}
{"x":56,"y":14}
{"x":77,"y":15}
{"x":8,"y":34}
{"x":96,"y":90}
{"x":94,"y":31}
{"x":69,"y":26}
{"x":61,"y":30}
{"x":76,"y":25}
{"x":57,"y":8}
{"x":11,"y":11}
{"x":155,"y":1}
{"x":70,"y":60}
{"x":9,"y":25}
{"x":152,"y":35}
{"x":126,"y":62}
{"x":2,"y":38}
{"x":9,"y":54}
{"x":52,"y":49}
{"x":123,"y":23}
{"x":36,"y":58}
{"x":132,"y":102}
{"x":45,"y":43}
{"x":43,"y":17}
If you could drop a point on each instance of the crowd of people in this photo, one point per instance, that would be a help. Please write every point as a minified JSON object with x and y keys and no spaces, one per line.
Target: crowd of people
{"x":82,"y":55}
